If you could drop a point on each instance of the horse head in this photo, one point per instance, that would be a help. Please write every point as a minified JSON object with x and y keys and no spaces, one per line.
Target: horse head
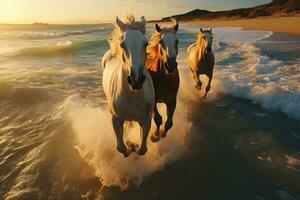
{"x":168,"y":46}
{"x":133,"y":45}
{"x":206,"y":38}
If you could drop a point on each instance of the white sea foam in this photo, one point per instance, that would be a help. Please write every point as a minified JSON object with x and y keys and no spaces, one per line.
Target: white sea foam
{"x":232,"y":34}
{"x":43,"y":34}
{"x":97,"y":144}
{"x":64,"y":44}
{"x":261,"y":80}
{"x":238,"y":35}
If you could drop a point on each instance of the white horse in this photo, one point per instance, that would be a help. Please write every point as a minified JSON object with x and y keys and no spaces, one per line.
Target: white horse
{"x":127,"y":84}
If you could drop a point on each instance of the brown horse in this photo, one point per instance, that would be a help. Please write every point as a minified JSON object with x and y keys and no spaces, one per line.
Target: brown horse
{"x":201,"y":59}
{"x":161,"y":63}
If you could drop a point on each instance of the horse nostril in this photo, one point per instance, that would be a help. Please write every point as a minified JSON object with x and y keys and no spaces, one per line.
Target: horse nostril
{"x":143,"y":78}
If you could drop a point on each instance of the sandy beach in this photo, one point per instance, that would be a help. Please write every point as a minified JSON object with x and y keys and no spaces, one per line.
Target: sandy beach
{"x":281,"y":24}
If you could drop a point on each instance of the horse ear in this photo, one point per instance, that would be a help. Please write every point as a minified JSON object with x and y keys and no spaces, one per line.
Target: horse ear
{"x":201,"y":30}
{"x":157,"y":27}
{"x":175,"y":27}
{"x":143,"y":20}
{"x":120,"y":24}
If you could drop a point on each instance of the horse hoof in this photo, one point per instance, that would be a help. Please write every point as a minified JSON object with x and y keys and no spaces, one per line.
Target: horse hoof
{"x":129,"y":151}
{"x":143,"y":151}
{"x":164,"y":134}
{"x":155,"y":138}
{"x":124,"y":151}
{"x":198,"y":87}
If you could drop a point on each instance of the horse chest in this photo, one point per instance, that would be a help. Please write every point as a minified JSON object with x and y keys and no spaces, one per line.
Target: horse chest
{"x":165,"y":86}
{"x":131,"y":107}
{"x":205,"y":66}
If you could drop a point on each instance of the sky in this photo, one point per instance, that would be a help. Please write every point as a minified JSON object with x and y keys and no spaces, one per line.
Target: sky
{"x":97,"y":11}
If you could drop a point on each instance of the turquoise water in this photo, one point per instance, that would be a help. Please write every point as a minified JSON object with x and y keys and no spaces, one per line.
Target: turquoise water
{"x":56,"y":141}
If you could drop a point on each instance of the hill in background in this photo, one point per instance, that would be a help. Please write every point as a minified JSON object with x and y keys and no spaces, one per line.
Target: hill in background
{"x":277,"y":8}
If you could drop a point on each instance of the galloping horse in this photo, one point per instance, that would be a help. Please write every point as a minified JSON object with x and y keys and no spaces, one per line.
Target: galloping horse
{"x":201,"y":59}
{"x":126,"y":82}
{"x":161,"y":63}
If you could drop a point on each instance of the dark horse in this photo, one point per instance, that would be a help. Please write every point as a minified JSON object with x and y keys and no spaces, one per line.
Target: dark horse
{"x":161,"y":63}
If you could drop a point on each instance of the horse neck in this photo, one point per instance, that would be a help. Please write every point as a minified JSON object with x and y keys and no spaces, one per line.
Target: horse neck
{"x":121,"y":77}
{"x":160,"y":60}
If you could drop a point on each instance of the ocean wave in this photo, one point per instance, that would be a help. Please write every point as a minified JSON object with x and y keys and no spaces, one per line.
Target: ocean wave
{"x":43,"y":35}
{"x":64,"y":44}
{"x":60,"y":48}
{"x":238,"y":35}
{"x":256,"y":77}
{"x":270,"y":96}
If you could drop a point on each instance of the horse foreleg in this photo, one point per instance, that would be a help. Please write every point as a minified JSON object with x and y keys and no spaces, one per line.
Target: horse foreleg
{"x":170,"y":111}
{"x":118,"y":129}
{"x":198,"y":83}
{"x":208,"y":86}
{"x":145,"y":128}
{"x":158,"y":122}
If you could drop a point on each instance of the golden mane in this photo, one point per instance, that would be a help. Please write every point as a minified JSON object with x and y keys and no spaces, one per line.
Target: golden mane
{"x":152,"y":49}
{"x":115,"y":39}
{"x":153,"y":55}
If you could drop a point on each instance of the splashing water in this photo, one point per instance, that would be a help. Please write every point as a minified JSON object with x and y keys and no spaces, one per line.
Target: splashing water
{"x":97,"y":144}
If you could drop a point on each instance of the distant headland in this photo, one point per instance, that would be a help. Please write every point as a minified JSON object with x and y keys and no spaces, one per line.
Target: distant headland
{"x":276,"y":8}
{"x":277,"y":16}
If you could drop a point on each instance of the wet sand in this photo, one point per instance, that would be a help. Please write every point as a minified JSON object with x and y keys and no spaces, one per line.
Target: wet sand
{"x":281,"y":24}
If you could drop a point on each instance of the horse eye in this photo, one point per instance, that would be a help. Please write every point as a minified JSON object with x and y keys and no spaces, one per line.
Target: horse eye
{"x":122,"y":44}
{"x":146,"y":44}
{"x":162,"y":44}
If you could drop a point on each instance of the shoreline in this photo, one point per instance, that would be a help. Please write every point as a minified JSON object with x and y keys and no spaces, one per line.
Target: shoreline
{"x":289,"y":25}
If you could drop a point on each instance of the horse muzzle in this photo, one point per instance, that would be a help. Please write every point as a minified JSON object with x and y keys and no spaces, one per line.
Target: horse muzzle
{"x":208,"y":49}
{"x":170,"y":66}
{"x":136,"y":84}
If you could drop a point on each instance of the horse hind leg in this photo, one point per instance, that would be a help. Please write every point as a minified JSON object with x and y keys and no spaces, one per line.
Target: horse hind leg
{"x":198,"y":83}
{"x":158,"y":122}
{"x":118,"y":129}
{"x":170,"y":111}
